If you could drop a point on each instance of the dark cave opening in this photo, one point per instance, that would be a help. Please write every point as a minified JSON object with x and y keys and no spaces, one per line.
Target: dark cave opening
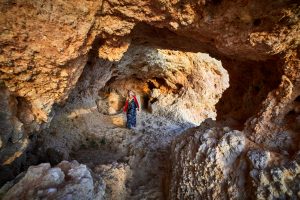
{"x":257,"y":22}
{"x":250,"y":83}
{"x":151,"y":85}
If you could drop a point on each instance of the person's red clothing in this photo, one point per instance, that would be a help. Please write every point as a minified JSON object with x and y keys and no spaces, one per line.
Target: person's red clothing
{"x":135,"y":101}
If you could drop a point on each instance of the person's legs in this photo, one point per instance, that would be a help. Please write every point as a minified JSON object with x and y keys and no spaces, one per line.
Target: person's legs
{"x":128,"y":125}
{"x":131,"y":118}
{"x":129,"y":121}
{"x":134,"y":120}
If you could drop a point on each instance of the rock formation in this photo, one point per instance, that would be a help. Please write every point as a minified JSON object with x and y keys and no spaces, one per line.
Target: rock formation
{"x":215,"y":162}
{"x":65,"y":68}
{"x":68,"y":180}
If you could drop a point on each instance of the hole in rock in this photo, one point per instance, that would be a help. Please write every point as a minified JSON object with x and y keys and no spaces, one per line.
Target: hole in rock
{"x":145,"y":102}
{"x":257,"y":22}
{"x":215,"y":2}
{"x":179,"y":86}
{"x":151,"y":85}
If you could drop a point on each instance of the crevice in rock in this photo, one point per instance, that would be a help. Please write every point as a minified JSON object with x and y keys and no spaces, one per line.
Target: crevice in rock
{"x":257,"y":22}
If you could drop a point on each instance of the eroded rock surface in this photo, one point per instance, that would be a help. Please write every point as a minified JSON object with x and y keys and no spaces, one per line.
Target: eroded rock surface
{"x":215,"y":162}
{"x":67,"y":180}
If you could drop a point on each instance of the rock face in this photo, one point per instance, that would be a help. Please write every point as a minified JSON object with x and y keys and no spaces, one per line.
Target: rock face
{"x":206,"y":164}
{"x":215,"y":162}
{"x":179,"y":56}
{"x":44,"y":48}
{"x":68,"y":180}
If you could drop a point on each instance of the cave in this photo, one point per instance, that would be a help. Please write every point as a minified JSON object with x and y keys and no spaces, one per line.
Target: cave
{"x":217,"y":83}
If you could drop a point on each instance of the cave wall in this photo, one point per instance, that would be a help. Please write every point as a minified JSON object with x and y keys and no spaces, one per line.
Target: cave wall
{"x":44,"y":49}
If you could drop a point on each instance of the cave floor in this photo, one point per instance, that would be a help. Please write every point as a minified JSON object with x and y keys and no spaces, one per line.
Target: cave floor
{"x":133,"y":163}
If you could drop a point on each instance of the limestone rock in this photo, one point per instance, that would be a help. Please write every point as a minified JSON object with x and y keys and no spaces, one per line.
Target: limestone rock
{"x":278,"y":181}
{"x":259,"y":159}
{"x":206,"y":164}
{"x":68,"y":180}
{"x":115,"y":176}
{"x":212,"y":162}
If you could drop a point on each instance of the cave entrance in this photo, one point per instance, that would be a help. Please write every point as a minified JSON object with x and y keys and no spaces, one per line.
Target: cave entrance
{"x":178,"y":88}
{"x":250,"y":83}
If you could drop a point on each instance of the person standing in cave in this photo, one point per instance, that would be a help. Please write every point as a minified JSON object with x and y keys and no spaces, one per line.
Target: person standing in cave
{"x":131,"y":105}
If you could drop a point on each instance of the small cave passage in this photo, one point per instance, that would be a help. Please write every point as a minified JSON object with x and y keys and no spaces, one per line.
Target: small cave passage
{"x":145,"y":103}
{"x":257,"y":22}
{"x":250,"y":83}
{"x":151,"y":85}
